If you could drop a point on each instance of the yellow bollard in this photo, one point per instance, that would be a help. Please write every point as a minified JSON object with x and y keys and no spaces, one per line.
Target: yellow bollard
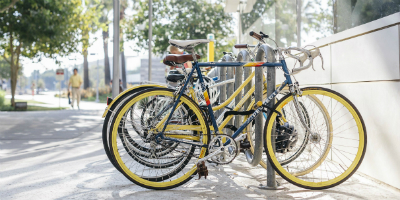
{"x":210,"y":54}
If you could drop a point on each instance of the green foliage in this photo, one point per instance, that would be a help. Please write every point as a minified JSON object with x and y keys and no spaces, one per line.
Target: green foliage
{"x":89,"y":22}
{"x":317,"y":17}
{"x":2,"y":96}
{"x":48,"y":27}
{"x":259,"y":7}
{"x":41,"y":84}
{"x":48,"y":78}
{"x":36,"y":28}
{"x":184,"y":19}
{"x":5,"y":70}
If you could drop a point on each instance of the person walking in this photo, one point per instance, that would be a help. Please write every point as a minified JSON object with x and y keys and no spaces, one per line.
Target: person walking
{"x":33,"y":89}
{"x":75,"y":82}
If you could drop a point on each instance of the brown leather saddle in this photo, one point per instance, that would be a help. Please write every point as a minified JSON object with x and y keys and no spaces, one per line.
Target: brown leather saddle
{"x":174,"y":59}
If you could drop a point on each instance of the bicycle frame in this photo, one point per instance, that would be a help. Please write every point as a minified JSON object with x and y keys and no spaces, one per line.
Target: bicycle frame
{"x":160,"y":136}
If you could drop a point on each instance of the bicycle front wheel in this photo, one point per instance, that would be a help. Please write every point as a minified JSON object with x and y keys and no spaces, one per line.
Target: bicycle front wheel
{"x":149,"y":162}
{"x":335,"y":147}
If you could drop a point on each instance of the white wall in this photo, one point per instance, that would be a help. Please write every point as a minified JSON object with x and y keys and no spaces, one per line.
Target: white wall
{"x":363,"y":64}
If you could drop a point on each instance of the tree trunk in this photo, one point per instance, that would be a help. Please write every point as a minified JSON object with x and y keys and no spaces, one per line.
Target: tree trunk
{"x":123,"y":66}
{"x":123,"y":69}
{"x":12,"y":71}
{"x":85,"y":70}
{"x":107,"y":75}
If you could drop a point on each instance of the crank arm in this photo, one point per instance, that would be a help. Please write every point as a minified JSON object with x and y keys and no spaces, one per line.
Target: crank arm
{"x":219,"y":151}
{"x":240,"y":137}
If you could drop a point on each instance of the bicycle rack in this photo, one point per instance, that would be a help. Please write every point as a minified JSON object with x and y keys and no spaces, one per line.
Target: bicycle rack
{"x":271,"y":82}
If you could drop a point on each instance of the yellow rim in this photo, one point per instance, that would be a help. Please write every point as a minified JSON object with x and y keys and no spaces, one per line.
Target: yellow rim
{"x":340,"y":177}
{"x":115,"y":135}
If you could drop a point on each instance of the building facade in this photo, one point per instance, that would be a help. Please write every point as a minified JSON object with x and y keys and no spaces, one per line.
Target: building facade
{"x":360,"y":43}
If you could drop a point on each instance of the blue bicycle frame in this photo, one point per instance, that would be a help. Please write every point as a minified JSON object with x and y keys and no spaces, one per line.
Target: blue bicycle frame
{"x":197,"y":65}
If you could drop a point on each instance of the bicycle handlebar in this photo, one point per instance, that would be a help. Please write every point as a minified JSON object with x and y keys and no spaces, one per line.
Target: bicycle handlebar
{"x":310,"y":55}
{"x":256,"y":36}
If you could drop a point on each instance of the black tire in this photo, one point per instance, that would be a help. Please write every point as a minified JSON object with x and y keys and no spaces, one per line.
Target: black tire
{"x":177,"y":170}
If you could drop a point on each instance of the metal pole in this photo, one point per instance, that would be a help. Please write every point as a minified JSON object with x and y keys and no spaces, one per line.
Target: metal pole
{"x":271,"y":82}
{"x":298,"y":8}
{"x":229,"y":92}
{"x":59,"y":97}
{"x":115,"y":85}
{"x":238,"y":82}
{"x":222,"y":88}
{"x":150,"y":33}
{"x":97,"y":88}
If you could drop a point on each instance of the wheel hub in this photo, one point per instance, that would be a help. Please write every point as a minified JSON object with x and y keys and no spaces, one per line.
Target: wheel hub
{"x":315,"y":138}
{"x":286,"y":139}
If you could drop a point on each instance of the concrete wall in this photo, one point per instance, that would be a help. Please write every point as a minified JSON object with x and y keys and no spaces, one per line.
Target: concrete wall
{"x":363,"y":63}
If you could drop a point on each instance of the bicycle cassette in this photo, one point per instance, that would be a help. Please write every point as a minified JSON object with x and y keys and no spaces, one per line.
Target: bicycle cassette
{"x":228,"y":152}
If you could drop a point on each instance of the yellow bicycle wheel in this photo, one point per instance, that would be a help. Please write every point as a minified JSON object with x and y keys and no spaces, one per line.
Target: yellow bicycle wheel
{"x":152,"y":163}
{"x":304,"y":140}
{"x":334,"y":150}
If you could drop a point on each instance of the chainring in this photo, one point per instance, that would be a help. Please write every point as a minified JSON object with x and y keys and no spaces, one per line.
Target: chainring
{"x":231,"y":149}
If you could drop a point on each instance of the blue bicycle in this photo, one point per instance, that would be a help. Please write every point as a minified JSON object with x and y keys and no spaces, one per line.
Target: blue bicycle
{"x":314,"y":137}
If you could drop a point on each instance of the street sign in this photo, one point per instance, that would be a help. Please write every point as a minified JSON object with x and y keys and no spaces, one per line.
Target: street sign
{"x":60,"y":74}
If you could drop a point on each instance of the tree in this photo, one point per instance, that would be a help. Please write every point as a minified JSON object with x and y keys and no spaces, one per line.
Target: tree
{"x":7,"y":5}
{"x":37,"y":29}
{"x":107,"y":7}
{"x":124,"y":5}
{"x":185,"y":19}
{"x":89,"y":23}
{"x":5,"y":70}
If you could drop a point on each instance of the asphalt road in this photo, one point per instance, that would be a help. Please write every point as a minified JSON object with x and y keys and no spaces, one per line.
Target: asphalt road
{"x":59,"y":155}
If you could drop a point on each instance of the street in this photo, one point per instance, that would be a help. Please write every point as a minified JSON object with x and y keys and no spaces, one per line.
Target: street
{"x":59,"y":155}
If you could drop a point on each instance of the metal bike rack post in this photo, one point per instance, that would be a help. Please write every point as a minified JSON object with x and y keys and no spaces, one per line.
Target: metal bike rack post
{"x":271,"y":83}
{"x":246,"y":73}
{"x":271,"y":180}
{"x":229,"y":92}
{"x":238,"y":82}
{"x":222,"y":94}
{"x":226,"y":91}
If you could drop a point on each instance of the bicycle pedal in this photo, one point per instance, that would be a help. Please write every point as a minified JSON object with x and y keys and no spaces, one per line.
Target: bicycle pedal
{"x":244,"y":145}
{"x":202,"y":170}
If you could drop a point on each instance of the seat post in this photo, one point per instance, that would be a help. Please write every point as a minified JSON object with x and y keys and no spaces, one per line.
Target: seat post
{"x":193,"y":53}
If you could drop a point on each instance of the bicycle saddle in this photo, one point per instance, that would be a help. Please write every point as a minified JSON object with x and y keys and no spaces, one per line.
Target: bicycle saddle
{"x":173,"y":59}
{"x":187,"y":44}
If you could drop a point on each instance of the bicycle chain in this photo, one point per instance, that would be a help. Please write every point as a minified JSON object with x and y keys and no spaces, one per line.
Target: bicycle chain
{"x":196,"y":155}
{"x":210,"y":161}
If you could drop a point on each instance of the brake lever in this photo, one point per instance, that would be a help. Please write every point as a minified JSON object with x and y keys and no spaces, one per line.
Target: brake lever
{"x":322,"y":60}
{"x":320,"y":55}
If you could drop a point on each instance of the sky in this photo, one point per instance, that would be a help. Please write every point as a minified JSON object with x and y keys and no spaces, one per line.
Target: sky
{"x":30,"y":65}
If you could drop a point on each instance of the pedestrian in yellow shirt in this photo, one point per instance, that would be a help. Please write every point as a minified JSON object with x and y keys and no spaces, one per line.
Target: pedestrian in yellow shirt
{"x":75,"y":82}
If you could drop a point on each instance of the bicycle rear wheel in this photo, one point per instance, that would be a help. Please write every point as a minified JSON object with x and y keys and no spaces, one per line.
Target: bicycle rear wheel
{"x":164,"y":164}
{"x":334,"y":151}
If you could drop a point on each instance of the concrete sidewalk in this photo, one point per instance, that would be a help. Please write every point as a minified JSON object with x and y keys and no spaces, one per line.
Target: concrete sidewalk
{"x":59,"y":155}
{"x":54,"y":102}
